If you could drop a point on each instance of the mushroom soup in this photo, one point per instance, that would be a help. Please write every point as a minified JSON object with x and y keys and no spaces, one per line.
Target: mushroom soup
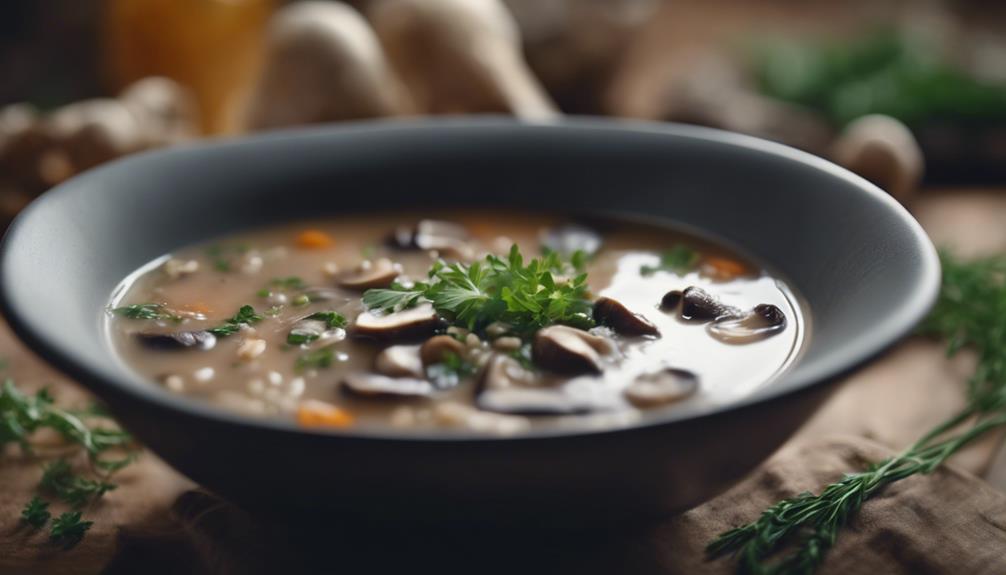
{"x":475,"y":321}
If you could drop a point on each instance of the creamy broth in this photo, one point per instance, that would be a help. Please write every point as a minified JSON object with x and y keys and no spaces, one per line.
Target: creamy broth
{"x":291,"y":272}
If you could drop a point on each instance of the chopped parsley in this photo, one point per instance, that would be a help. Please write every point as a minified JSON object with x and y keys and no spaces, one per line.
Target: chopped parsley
{"x":59,"y":480}
{"x":36,"y":512}
{"x":221,"y":255}
{"x":678,"y":259}
{"x":526,"y":296}
{"x":69,"y":528}
{"x":317,"y":359}
{"x":245,"y":316}
{"x":146,"y":311}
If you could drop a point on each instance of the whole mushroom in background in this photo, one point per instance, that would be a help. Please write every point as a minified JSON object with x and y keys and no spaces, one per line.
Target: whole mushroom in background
{"x":323,"y":63}
{"x":460,"y":56}
{"x":38,"y":151}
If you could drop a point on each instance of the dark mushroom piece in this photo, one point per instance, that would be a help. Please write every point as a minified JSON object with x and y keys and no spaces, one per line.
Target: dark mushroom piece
{"x":412,"y":323}
{"x":671,"y":300}
{"x":438,"y":348}
{"x":450,"y":239}
{"x":568,"y":350}
{"x":567,"y":239}
{"x":615,"y":315}
{"x":179,"y":340}
{"x":376,"y":385}
{"x":399,"y":361}
{"x":661,"y":387}
{"x":698,"y":304}
{"x":370,"y":275}
{"x":508,"y":387}
{"x":765,"y":320}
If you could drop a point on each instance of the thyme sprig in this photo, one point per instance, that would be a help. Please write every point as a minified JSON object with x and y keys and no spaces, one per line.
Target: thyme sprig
{"x":970,"y":313}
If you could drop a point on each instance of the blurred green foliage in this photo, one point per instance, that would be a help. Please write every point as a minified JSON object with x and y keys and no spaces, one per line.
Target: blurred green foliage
{"x":884,"y":72}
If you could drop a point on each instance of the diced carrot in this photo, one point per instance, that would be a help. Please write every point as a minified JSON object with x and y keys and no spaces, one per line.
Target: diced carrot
{"x":313,"y":239}
{"x":314,"y":413}
{"x":198,"y":307}
{"x":724,"y":268}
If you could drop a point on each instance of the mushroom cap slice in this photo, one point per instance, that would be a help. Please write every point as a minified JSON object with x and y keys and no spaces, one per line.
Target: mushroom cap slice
{"x":697,"y":303}
{"x":615,"y":315}
{"x":178,"y":340}
{"x":568,"y":350}
{"x":436,"y":349}
{"x":376,"y":385}
{"x":508,"y":387}
{"x":400,"y":361}
{"x":412,"y":323}
{"x":661,"y":387}
{"x":765,"y":320}
{"x":378,"y":274}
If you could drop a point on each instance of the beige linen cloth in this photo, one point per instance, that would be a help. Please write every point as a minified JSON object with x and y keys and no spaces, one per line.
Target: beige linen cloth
{"x":952,"y":521}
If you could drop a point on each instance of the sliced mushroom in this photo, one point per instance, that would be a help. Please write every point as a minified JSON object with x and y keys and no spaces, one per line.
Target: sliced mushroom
{"x":568,"y":350}
{"x":661,"y":387}
{"x":449,"y":239}
{"x":671,"y":300}
{"x":765,"y":320}
{"x":375,"y":385}
{"x":400,"y":361}
{"x":369,"y":275}
{"x":697,"y":303}
{"x":437,"y":348}
{"x":178,"y":340}
{"x":415,"y":322}
{"x":615,"y":315}
{"x":508,"y":387}
{"x":570,"y":238}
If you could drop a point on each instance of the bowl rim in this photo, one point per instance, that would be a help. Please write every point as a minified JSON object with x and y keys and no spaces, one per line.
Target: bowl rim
{"x":898,"y":324}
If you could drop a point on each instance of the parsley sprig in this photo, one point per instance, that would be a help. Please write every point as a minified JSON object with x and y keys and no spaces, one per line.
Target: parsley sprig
{"x":969,"y":314}
{"x":245,"y":316}
{"x":526,"y":296}
{"x":147,"y":311}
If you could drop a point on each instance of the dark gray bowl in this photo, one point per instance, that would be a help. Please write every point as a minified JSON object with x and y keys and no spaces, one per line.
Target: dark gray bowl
{"x":863,"y":265}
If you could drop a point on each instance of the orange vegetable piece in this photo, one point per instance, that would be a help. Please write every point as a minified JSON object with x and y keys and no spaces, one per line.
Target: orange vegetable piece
{"x":198,"y":307}
{"x":314,"y":413}
{"x":724,"y":268}
{"x":313,"y":239}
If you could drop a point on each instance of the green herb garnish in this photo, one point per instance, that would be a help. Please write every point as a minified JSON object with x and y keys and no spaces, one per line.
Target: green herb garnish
{"x":245,"y":316}
{"x":525,"y":296}
{"x":59,"y":480}
{"x":317,"y":359}
{"x":292,"y":283}
{"x":69,"y":528}
{"x":449,"y":372}
{"x":22,"y":414}
{"x":221,"y":255}
{"x":679,"y":259}
{"x":332,"y":319}
{"x":36,"y":513}
{"x":969,"y":313}
{"x":146,"y":311}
